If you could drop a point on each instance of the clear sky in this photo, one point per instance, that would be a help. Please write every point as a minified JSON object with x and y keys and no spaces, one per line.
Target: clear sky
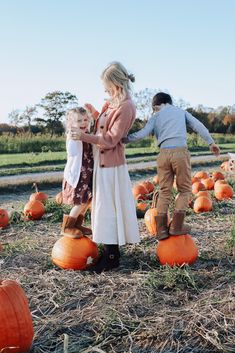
{"x":183,"y":46}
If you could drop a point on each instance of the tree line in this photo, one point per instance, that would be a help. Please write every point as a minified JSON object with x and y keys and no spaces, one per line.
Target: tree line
{"x":48,"y":115}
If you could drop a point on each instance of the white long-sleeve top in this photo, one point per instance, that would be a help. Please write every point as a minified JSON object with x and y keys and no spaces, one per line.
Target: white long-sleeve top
{"x":73,"y":166}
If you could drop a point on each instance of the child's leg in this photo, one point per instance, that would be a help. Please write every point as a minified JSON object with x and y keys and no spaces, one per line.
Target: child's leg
{"x":80,"y":218}
{"x":166,"y":179}
{"x":182,"y":169}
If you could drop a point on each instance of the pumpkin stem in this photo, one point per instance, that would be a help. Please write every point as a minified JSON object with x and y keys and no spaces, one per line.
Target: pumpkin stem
{"x":35,"y":186}
{"x":155,"y":198}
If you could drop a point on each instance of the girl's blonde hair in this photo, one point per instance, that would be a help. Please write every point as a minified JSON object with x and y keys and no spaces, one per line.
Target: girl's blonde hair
{"x":72,"y":115}
{"x":118,"y":75}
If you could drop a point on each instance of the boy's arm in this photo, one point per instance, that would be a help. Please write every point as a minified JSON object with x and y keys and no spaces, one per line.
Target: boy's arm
{"x":198,"y":127}
{"x":149,"y":127}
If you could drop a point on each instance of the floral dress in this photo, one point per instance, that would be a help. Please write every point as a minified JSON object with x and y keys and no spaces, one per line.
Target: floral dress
{"x":83,"y":191}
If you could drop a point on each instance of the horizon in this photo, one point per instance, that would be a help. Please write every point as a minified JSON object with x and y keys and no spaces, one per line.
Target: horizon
{"x":65,"y":46}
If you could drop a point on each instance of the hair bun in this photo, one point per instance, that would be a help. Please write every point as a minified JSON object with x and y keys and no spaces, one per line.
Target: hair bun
{"x":131,"y":77}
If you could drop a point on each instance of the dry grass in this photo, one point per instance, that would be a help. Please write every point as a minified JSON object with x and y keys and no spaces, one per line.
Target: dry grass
{"x":140,"y":308}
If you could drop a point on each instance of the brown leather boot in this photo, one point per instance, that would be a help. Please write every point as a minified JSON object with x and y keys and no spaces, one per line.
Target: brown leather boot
{"x":68,"y":227}
{"x":162,"y":229}
{"x":177,"y":226}
{"x":78,"y":225}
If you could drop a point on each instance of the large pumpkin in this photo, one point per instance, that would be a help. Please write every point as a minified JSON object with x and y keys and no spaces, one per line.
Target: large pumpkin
{"x":150,"y":216}
{"x":74,"y":254}
{"x":177,"y":250}
{"x":224,"y":192}
{"x":4,"y":218}
{"x":16,"y":327}
{"x":148,"y":186}
{"x":38,"y":195}
{"x":203,"y":193}
{"x":202,"y":204}
{"x":139,"y":192}
{"x":197,"y":186}
{"x":209,"y":183}
{"x":34,"y":210}
{"x":217,"y":176}
{"x":201,"y":175}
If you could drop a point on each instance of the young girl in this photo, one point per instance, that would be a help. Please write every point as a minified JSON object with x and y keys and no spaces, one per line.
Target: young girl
{"x":113,"y":216}
{"x":77,"y":183}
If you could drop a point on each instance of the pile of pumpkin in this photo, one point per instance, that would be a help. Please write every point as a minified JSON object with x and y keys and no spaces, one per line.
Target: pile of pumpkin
{"x":177,"y":250}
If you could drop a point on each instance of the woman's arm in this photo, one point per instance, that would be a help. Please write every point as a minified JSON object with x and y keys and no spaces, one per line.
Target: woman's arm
{"x":122,"y":122}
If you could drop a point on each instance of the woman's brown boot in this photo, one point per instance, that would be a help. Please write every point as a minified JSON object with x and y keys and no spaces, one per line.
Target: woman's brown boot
{"x":177,"y":226}
{"x":68,"y":227}
{"x":78,"y":225}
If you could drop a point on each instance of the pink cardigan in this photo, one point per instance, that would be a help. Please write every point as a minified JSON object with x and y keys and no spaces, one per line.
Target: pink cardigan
{"x":117,"y":125}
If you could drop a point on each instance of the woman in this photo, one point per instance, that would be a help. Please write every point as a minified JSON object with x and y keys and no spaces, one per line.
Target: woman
{"x":113,"y":216}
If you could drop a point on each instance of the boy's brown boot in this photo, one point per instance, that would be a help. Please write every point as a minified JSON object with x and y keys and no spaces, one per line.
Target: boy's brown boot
{"x":68,"y":227}
{"x":177,"y":226}
{"x":162,"y":228}
{"x":78,"y":225}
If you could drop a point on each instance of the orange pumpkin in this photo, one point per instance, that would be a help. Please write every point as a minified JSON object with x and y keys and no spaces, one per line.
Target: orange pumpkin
{"x":150,"y":216}
{"x":34,"y":210}
{"x":217,"y":176}
{"x":194,"y":179}
{"x":197,"y":186}
{"x":141,"y":208}
{"x":224,"y":192}
{"x":201,"y":175}
{"x":59,"y":198}
{"x":39,"y":196}
{"x":218,"y":183}
{"x":148,"y":186}
{"x":4,"y":218}
{"x":139,"y":192}
{"x":209,"y":183}
{"x":177,"y":250}
{"x":156,"y":179}
{"x":203,"y":193}
{"x":202,"y":204}
{"x":74,"y":254}
{"x":16,"y":327}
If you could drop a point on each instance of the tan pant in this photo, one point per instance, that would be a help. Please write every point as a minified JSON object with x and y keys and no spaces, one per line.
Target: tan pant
{"x":174,"y":162}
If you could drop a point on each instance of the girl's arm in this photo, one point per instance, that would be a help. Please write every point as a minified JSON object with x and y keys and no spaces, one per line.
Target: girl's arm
{"x":139,"y":135}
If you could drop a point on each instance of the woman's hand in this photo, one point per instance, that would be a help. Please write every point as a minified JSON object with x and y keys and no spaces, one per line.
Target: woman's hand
{"x":215,"y":149}
{"x":75,"y":134}
{"x":90,"y":108}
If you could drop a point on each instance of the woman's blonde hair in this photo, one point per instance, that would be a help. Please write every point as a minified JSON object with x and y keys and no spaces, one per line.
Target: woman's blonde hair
{"x":116,"y":74}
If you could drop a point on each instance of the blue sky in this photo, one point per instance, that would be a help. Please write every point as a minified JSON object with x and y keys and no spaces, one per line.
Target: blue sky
{"x":183,"y":46}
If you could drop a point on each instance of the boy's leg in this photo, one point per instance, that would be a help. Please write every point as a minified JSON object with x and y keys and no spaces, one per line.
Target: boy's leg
{"x":166,"y":179}
{"x":182,"y":169}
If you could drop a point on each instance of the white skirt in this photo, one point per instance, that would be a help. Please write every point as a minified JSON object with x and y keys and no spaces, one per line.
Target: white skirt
{"x":113,"y":215}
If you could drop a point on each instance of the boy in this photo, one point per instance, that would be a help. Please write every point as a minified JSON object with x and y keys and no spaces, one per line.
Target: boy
{"x":169,"y":126}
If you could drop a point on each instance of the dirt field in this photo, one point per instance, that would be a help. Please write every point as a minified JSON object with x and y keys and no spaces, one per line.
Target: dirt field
{"x":140,"y":308}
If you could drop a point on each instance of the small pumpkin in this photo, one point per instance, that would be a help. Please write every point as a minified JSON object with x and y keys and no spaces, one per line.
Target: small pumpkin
{"x":74,"y":254}
{"x":203,"y":193}
{"x":38,"y":195}
{"x":218,"y":183}
{"x":198,"y":186}
{"x":139,"y":192}
{"x":177,"y":250}
{"x":59,"y":198}
{"x":148,"y":186}
{"x":217,"y":176}
{"x":141,"y":208}
{"x":201,"y":175}
{"x":4,"y":218}
{"x":16,"y":327}
{"x":34,"y":210}
{"x":202,"y":204}
{"x":224,"y":192}
{"x":209,"y":183}
{"x":150,"y":216}
{"x":194,"y":179}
